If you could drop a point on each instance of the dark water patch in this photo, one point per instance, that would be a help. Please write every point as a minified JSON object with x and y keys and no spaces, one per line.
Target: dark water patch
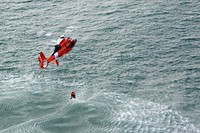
{"x":8,"y":69}
{"x":22,"y":1}
{"x":191,"y":39}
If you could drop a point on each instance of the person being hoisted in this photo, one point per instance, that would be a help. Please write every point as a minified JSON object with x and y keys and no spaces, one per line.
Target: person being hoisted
{"x":73,"y":95}
{"x":58,"y":46}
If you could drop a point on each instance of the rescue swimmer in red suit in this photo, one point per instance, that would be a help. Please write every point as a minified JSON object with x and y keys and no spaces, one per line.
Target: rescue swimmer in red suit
{"x":73,"y":95}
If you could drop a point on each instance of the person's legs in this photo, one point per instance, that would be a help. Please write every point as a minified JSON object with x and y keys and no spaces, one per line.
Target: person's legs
{"x":57,"y":47}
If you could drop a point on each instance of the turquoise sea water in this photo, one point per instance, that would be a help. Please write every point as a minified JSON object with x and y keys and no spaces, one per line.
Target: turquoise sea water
{"x":135,"y":67}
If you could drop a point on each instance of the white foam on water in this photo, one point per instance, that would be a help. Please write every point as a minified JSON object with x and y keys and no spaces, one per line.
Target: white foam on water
{"x":40,"y":33}
{"x":115,"y":112}
{"x":119,"y":113}
{"x":69,"y":31}
{"x":137,"y":115}
{"x":48,"y":34}
{"x":110,"y":112}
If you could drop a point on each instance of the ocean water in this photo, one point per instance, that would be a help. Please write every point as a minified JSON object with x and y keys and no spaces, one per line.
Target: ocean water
{"x":135,"y":67}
